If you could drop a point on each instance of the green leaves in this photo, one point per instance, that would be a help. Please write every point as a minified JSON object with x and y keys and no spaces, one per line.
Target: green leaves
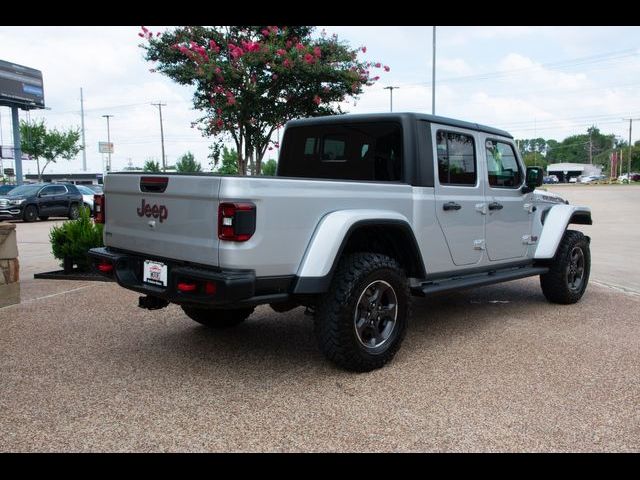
{"x":188,"y":164}
{"x":151,"y":166}
{"x":42,"y":143}
{"x":74,"y":238}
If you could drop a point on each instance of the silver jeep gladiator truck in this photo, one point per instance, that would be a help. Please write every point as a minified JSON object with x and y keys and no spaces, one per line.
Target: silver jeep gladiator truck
{"x":365,"y":211}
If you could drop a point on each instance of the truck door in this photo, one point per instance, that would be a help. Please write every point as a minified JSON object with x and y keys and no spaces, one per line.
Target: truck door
{"x":508,"y":220}
{"x":459,"y":192}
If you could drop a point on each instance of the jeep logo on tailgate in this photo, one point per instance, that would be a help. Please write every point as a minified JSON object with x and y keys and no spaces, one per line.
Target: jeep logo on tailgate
{"x":155,"y":211}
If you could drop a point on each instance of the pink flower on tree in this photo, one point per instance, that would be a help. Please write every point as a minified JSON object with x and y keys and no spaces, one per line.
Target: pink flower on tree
{"x":214,"y":46}
{"x":317,"y":100}
{"x":317,"y":52}
{"x":386,"y":68}
{"x":281,"y":51}
{"x":274,"y":76}
{"x":378,"y":64}
{"x":251,"y":46}
{"x":364,"y":49}
{"x":309,"y":59}
{"x":265,"y":32}
{"x":375,"y":79}
{"x":299,"y":47}
{"x":286,"y":63}
{"x":231,"y":99}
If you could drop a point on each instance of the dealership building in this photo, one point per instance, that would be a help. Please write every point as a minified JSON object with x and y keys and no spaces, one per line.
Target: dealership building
{"x":566,"y":171}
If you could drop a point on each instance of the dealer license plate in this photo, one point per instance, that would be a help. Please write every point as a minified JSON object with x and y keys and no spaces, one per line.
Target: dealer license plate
{"x":155,"y":273}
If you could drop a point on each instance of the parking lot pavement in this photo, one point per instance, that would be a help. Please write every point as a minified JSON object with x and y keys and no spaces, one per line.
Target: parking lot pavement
{"x":495,"y":369}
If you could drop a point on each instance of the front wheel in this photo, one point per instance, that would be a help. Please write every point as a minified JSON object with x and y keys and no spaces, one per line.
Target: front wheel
{"x":30,"y":213}
{"x":361,"y":321}
{"x":568,"y":275}
{"x":218,"y":318}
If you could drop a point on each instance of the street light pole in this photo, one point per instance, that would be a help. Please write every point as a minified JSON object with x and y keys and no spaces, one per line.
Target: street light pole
{"x":108,"y":142}
{"x":390,"y":97}
{"x":433,"y":75}
{"x":629,"y":156}
{"x":160,"y":105}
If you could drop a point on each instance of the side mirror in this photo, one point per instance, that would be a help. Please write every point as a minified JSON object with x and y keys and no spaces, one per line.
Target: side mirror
{"x":534,"y":179}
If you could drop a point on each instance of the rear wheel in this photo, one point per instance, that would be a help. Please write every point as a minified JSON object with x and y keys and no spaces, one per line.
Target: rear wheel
{"x":568,"y":275}
{"x":30,"y":213}
{"x":361,"y":321}
{"x":74,"y":212}
{"x":215,"y":318}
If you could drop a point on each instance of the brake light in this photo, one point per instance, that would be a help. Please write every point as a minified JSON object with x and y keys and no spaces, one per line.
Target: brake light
{"x":236,"y":221}
{"x":99,"y":208}
{"x":187,"y":287}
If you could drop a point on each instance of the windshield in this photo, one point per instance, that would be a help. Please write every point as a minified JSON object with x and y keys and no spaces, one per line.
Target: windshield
{"x":25,"y":190}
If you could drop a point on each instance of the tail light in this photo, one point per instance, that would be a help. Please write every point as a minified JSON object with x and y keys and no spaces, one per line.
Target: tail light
{"x":98,"y":208}
{"x":236,"y":221}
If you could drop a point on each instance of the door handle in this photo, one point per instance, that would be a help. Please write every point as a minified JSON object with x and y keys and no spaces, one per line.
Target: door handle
{"x":495,"y":206}
{"x":451,"y":206}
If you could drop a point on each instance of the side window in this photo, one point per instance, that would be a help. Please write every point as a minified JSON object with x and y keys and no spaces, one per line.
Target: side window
{"x":333,"y":148}
{"x":310,"y":146}
{"x":502,"y":165}
{"x":456,"y":158}
{"x":46,"y":191}
{"x":58,"y":190}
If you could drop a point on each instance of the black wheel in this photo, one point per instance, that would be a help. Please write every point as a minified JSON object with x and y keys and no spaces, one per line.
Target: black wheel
{"x":361,"y":321}
{"x":215,"y":318}
{"x":30,"y":213}
{"x":44,"y":217}
{"x":568,"y":276}
{"x":74,"y":212}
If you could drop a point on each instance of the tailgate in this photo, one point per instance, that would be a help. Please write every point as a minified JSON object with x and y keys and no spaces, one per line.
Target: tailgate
{"x":171,"y":216}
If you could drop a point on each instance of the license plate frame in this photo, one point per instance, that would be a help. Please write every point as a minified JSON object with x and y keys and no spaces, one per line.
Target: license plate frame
{"x":155,"y":273}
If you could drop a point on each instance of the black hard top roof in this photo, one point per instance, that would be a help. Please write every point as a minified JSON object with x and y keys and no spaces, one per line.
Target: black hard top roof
{"x":380,"y":117}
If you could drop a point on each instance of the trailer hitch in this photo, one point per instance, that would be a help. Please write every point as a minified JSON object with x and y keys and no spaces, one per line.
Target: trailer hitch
{"x":152,"y":303}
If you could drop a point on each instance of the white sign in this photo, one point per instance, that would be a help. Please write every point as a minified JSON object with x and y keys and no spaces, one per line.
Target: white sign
{"x":105,"y":147}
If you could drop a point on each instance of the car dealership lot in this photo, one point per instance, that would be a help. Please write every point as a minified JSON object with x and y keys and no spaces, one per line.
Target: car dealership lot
{"x":492,"y":369}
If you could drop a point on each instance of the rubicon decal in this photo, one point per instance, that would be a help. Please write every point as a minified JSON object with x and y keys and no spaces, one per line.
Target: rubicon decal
{"x":156,"y":211}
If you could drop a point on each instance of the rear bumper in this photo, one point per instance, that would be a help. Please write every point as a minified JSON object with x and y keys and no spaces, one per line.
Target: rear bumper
{"x":232,"y":286}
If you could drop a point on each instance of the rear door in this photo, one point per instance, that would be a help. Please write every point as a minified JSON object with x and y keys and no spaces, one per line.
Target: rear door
{"x":508,"y":213}
{"x":459,"y":192}
{"x":172,"y":216}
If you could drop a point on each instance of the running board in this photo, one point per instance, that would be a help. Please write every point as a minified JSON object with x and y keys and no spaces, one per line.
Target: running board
{"x":478,"y":280}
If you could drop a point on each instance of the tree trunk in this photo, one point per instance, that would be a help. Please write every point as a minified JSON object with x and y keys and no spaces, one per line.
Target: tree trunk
{"x":39,"y":174}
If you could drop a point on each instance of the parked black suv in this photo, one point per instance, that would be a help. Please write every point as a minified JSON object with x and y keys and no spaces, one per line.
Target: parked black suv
{"x":41,"y":200}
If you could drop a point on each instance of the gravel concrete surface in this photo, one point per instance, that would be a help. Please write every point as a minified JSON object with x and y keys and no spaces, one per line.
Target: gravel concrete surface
{"x":493,"y":369}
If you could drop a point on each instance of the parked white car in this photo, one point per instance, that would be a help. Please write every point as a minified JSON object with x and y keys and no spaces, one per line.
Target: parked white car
{"x":87,"y":197}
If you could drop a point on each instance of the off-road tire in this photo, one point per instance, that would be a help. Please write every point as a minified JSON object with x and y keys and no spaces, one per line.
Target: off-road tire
{"x":74,"y":212}
{"x":44,"y":217}
{"x":556,"y":284}
{"x":217,"y":318}
{"x":30,"y":213}
{"x":335,"y":321}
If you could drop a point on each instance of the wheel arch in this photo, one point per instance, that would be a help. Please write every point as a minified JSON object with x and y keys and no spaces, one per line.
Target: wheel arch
{"x":555,"y":223}
{"x":379,"y":232}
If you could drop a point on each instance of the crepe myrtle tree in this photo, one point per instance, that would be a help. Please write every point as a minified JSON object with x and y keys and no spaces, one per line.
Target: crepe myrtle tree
{"x":250,"y":80}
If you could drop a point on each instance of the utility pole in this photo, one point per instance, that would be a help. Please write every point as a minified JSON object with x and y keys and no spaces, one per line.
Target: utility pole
{"x":391,"y":96}
{"x":160,"y":105}
{"x":84,"y":147}
{"x":108,"y":141}
{"x":590,"y":149}
{"x":17,"y":146}
{"x":433,"y":75}
{"x":629,"y":156}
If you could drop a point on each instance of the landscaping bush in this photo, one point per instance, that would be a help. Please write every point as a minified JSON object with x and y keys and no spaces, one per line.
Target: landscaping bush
{"x":72,"y":240}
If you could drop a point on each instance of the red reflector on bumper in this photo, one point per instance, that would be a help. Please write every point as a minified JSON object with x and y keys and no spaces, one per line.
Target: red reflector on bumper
{"x":186,"y":287}
{"x":105,"y":267}
{"x":210,"y":288}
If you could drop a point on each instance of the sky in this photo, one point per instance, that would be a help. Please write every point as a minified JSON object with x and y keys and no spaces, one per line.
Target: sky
{"x":548,"y":82}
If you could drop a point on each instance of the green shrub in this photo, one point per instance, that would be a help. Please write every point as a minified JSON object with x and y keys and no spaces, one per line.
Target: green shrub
{"x":74,"y":238}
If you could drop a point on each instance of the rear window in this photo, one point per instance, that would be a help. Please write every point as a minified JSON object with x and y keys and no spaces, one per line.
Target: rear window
{"x":367,"y":151}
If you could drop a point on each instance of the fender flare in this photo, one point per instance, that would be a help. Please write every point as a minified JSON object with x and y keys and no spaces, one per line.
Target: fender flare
{"x":332,"y":234}
{"x":556,"y":221}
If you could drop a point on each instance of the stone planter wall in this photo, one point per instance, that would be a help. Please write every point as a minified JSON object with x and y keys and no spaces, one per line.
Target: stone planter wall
{"x":9,"y":265}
